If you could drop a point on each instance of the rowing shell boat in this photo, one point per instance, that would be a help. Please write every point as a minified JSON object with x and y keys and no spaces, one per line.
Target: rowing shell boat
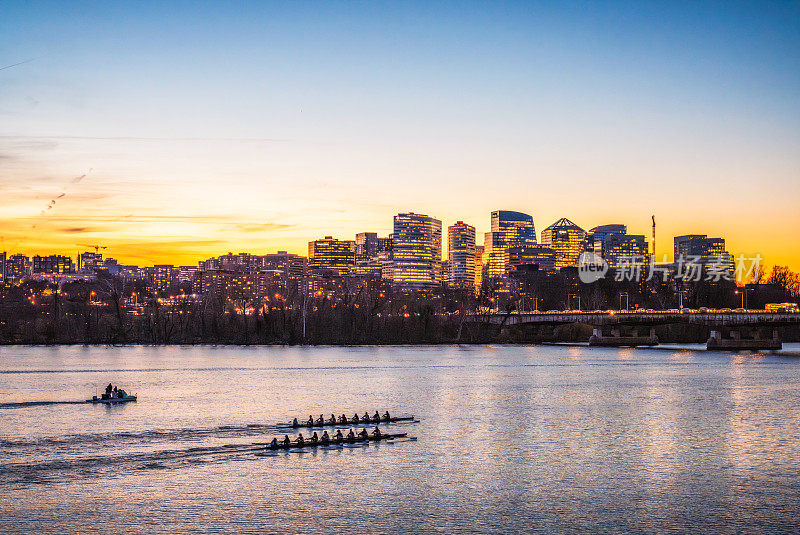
{"x":350,"y":421}
{"x":336,"y":442}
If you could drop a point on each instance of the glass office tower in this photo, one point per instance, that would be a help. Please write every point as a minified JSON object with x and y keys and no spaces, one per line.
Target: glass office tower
{"x":461,"y":255}
{"x":595,"y":236}
{"x":416,"y":251}
{"x":509,"y":229}
{"x":566,"y":239}
{"x":329,"y":254}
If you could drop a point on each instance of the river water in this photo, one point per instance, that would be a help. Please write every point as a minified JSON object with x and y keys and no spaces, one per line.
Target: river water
{"x":510,"y":440}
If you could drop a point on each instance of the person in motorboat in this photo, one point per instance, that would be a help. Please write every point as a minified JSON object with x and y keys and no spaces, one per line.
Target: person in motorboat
{"x":295,"y":423}
{"x":300,"y":440}
{"x":363,"y":435}
{"x":325,"y":439}
{"x":274,"y":443}
{"x":386,"y":416}
{"x":355,"y":419}
{"x":314,"y":440}
{"x":332,"y":420}
{"x":321,"y":420}
{"x":338,"y":437}
{"x":310,"y":421}
{"x":286,"y":440}
{"x":366,"y":418}
{"x":351,"y":436}
{"x":343,"y":419}
{"x":377,"y":433}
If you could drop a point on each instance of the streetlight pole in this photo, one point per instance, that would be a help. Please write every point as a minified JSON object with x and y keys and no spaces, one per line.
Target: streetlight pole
{"x":744,"y":291}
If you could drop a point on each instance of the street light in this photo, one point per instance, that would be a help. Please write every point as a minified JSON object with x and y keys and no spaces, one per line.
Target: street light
{"x":744,"y":291}
{"x":680,"y":298}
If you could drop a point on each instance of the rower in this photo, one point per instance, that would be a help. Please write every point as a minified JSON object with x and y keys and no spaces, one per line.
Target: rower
{"x":351,"y":436}
{"x":363,"y":435}
{"x":377,"y":433}
{"x":366,"y":417}
{"x":295,"y":423}
{"x":314,"y":440}
{"x":355,"y":419}
{"x":332,"y":420}
{"x":338,"y":437}
{"x":386,"y":416}
{"x":377,"y":417}
{"x":300,"y":440}
{"x":325,"y":439}
{"x":321,"y":420}
{"x":286,"y":440}
{"x":342,"y":419}
{"x":310,"y":421}
{"x":274,"y":443}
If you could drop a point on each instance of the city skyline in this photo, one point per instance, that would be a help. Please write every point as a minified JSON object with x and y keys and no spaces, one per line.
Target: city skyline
{"x":583,"y":240}
{"x":123,"y":126}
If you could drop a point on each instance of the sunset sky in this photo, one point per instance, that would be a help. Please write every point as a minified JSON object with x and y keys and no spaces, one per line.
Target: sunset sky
{"x":181,"y":130}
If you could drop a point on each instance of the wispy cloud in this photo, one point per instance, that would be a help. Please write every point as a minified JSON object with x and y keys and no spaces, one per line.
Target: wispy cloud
{"x":261,"y":227}
{"x":57,"y":137}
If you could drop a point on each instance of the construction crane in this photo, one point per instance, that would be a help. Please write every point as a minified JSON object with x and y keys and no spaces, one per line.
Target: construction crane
{"x":95,"y":247}
{"x":654,"y":236}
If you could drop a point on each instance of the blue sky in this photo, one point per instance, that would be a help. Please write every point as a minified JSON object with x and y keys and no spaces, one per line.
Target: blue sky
{"x":199,"y":120}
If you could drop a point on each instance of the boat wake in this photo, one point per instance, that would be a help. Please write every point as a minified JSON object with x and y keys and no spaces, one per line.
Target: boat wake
{"x":24,"y":404}
{"x":118,"y":438}
{"x":48,"y":471}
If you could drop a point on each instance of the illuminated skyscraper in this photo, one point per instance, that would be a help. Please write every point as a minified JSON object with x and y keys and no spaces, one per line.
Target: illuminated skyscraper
{"x":595,"y":236}
{"x":699,"y":248}
{"x":509,"y":229}
{"x":566,"y":239}
{"x":369,"y":245}
{"x":461,"y":255}
{"x":625,"y":249}
{"x":698,"y":245}
{"x":333,"y":255}
{"x":478,"y":267}
{"x":416,"y":251}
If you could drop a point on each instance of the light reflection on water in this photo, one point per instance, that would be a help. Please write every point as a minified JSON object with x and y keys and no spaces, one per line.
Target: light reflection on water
{"x":511,"y":439}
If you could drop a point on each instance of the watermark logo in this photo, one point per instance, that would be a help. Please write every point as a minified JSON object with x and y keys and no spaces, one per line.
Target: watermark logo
{"x":591,"y":267}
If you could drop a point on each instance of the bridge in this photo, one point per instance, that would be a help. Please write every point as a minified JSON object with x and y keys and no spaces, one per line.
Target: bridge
{"x":728,"y":329}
